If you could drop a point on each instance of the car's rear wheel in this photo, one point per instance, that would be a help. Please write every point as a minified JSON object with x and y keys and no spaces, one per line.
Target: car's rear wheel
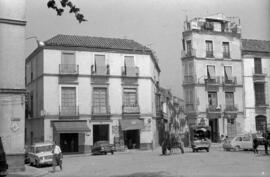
{"x":105,"y":153}
{"x":112,"y":152}
{"x":207,"y":149}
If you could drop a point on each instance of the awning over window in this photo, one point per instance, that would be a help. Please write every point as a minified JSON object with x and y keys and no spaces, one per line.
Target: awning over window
{"x":132,"y":124}
{"x":211,"y":71}
{"x":71,"y":126}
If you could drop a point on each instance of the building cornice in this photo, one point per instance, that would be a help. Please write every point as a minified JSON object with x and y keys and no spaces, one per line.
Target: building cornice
{"x":13,"y":22}
{"x":248,"y":53}
{"x":207,"y":32}
{"x":12,"y":91}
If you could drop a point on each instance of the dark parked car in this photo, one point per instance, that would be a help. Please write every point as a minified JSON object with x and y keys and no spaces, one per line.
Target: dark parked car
{"x":102,"y":147}
{"x":3,"y":160}
{"x":200,"y":138}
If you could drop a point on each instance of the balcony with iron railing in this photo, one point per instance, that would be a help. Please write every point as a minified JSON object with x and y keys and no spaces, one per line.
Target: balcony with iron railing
{"x":100,"y":70}
{"x":189,"y":79}
{"x":68,"y":69}
{"x":131,"y":109}
{"x":209,"y":54}
{"x":212,"y":83}
{"x":226,"y":55}
{"x":188,"y":53}
{"x":259,"y":74}
{"x":229,"y":84}
{"x":71,"y":112}
{"x":214,"y":111}
{"x":230,"y":111}
{"x":101,"y":111}
{"x":130,"y":71}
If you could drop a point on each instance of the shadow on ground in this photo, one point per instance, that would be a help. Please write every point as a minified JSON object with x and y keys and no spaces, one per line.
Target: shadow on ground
{"x":146,"y":174}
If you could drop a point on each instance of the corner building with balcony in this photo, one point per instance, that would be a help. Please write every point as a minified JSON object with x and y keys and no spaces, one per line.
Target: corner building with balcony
{"x":86,"y":89}
{"x":212,"y":71}
{"x":256,"y":64}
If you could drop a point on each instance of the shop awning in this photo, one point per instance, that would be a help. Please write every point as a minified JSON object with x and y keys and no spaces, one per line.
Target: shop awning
{"x":71,"y":126}
{"x":132,"y":124}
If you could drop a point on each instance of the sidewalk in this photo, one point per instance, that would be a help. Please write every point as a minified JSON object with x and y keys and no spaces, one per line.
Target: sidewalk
{"x":29,"y":172}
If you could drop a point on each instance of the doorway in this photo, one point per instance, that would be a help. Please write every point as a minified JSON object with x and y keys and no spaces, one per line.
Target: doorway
{"x":214,"y":130}
{"x":132,"y":139}
{"x":100,"y":133}
{"x":69,"y":142}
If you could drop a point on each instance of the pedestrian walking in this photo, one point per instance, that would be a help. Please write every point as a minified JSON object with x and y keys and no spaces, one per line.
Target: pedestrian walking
{"x":57,"y":156}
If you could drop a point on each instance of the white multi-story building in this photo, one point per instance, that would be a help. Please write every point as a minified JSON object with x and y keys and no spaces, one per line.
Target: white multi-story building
{"x":85,"y":89}
{"x":256,"y":64}
{"x":212,"y":69}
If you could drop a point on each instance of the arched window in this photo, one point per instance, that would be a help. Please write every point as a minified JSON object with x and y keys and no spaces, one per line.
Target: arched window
{"x":261,"y":123}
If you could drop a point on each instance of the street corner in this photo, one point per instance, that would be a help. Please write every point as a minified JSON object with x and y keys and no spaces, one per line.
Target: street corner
{"x":30,"y":172}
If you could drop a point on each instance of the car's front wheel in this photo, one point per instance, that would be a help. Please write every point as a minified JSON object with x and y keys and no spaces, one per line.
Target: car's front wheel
{"x":207,"y":149}
{"x":112,"y":152}
{"x":37,"y":163}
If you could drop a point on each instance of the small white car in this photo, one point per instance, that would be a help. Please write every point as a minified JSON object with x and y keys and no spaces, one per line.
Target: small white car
{"x":40,"y":154}
{"x":244,"y":142}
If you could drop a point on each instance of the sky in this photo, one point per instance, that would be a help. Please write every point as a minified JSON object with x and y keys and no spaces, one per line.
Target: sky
{"x":157,"y":24}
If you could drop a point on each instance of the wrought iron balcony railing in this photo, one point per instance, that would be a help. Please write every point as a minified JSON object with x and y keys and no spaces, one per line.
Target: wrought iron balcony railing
{"x":213,"y":108}
{"x":130,"y":71}
{"x":188,"y":53}
{"x":67,"y":111}
{"x":100,"y":70}
{"x":212,"y":80}
{"x":131,"y":109}
{"x":229,"y":81}
{"x":209,"y":54}
{"x":72,"y":69}
{"x":231,"y":108}
{"x":101,"y":110}
{"x":226,"y":55}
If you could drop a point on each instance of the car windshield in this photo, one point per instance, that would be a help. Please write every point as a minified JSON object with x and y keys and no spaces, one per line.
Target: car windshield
{"x":43,"y":148}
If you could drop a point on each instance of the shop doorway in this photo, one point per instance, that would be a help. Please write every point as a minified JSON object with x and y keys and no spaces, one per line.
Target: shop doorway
{"x":100,"y":133}
{"x":132,"y":139}
{"x":69,"y":142}
{"x":213,"y":123}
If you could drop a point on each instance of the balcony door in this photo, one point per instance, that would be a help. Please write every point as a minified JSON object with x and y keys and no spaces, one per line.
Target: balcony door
{"x":100,"y":65}
{"x":258,"y":65}
{"x":212,"y":99}
{"x":229,"y":100}
{"x":228,"y":74}
{"x":68,"y":63}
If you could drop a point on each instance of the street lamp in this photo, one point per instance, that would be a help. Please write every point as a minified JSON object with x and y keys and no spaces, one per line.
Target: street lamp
{"x":39,"y":43}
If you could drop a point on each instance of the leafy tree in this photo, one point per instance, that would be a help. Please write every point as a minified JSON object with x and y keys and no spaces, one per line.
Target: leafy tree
{"x":64,"y":4}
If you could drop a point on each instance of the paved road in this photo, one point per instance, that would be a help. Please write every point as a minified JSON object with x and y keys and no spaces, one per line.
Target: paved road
{"x":152,"y":164}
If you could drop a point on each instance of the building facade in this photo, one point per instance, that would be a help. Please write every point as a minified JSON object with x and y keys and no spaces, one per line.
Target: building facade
{"x":256,"y":64}
{"x":12,"y":88}
{"x":212,"y":70}
{"x":85,"y":89}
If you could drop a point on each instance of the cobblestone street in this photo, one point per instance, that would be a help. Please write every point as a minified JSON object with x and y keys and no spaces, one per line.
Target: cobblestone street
{"x":152,"y":164}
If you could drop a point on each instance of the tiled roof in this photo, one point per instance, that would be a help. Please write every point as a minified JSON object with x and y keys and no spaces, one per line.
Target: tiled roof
{"x":94,"y":42}
{"x":255,"y":45}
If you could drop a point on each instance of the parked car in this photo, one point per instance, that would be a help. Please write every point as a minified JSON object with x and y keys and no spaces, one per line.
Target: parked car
{"x":200,"y":138}
{"x":3,"y":160}
{"x":102,"y":147}
{"x":41,"y":154}
{"x":240,"y":142}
